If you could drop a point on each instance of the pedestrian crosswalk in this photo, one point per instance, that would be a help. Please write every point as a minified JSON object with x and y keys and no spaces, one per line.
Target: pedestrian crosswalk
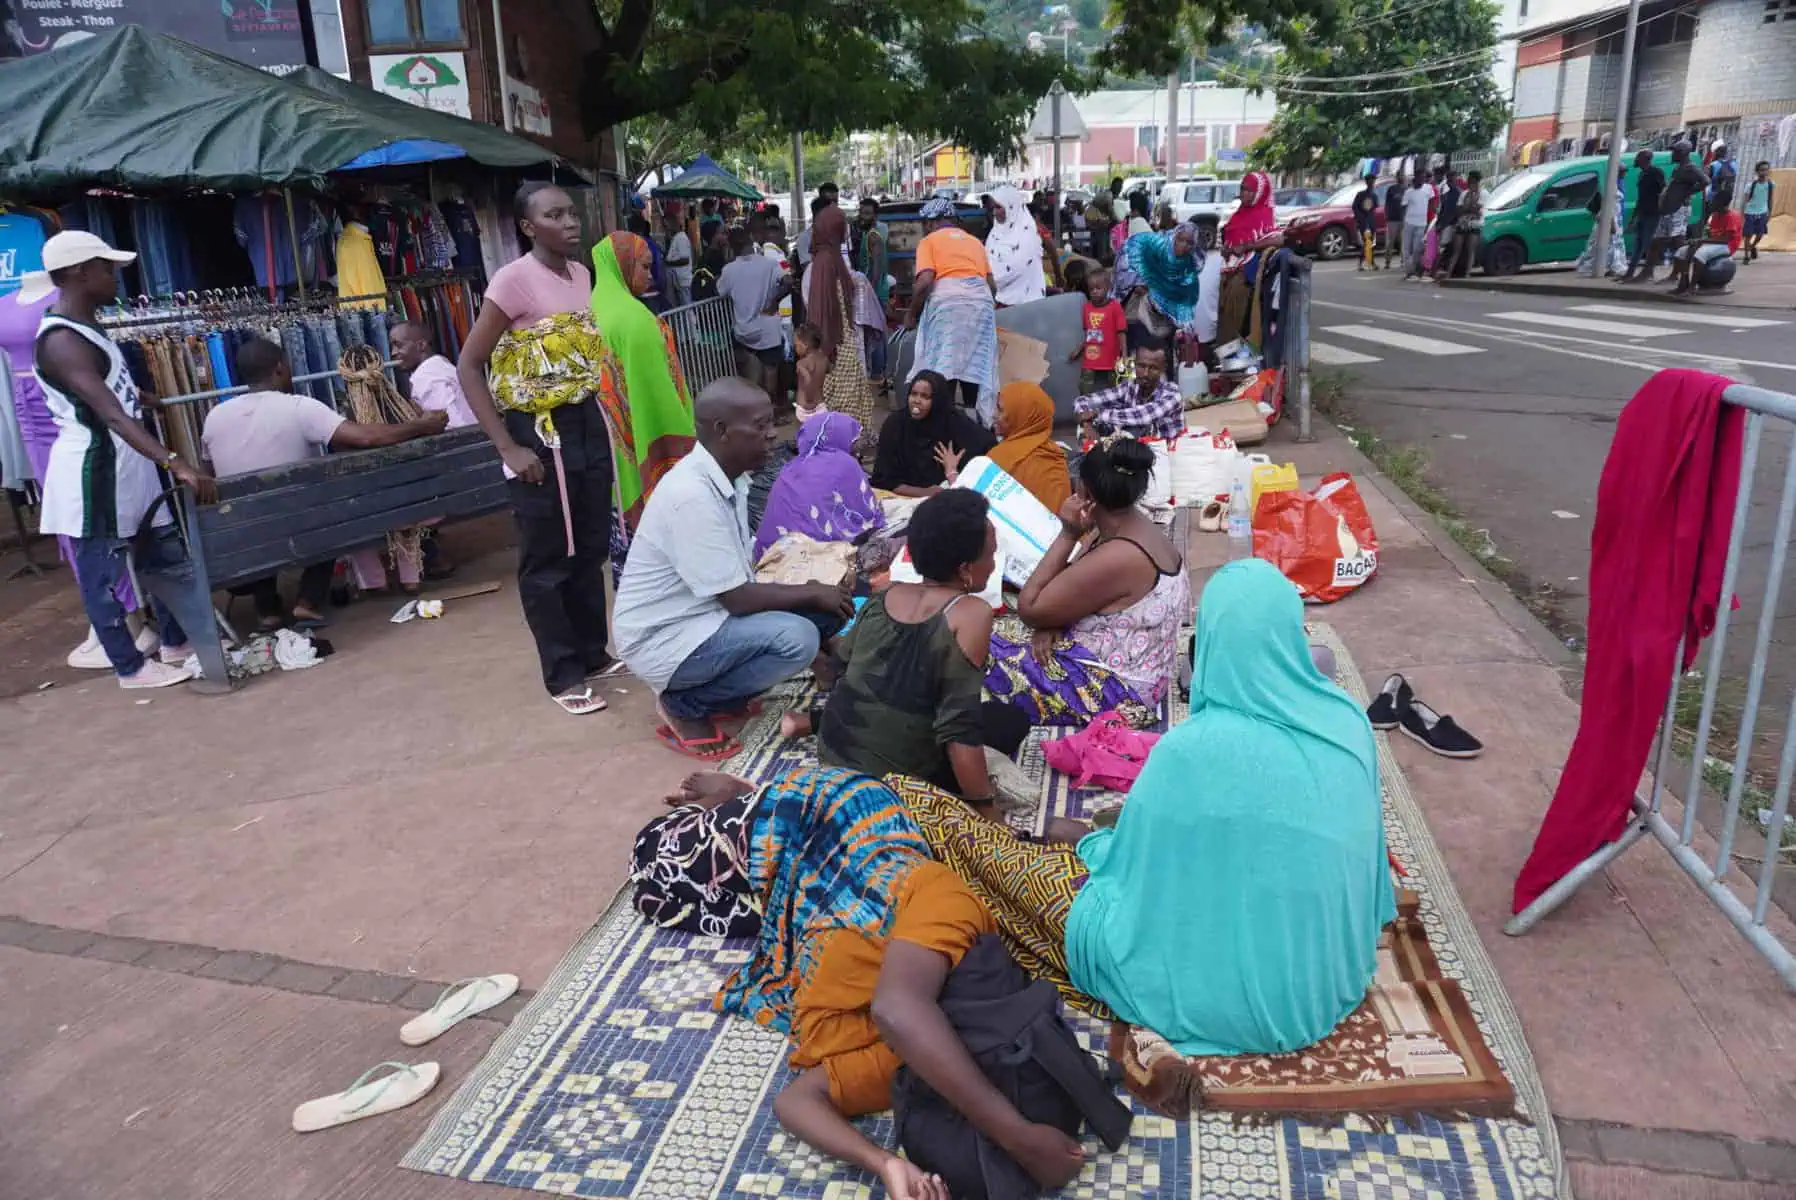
{"x":1594,"y":321}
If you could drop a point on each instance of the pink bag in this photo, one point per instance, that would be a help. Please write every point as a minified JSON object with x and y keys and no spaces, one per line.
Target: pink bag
{"x":1105,"y":754}
{"x":1431,"y":249}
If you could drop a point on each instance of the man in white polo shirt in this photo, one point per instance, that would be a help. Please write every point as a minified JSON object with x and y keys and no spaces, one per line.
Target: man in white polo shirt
{"x":690,"y":620}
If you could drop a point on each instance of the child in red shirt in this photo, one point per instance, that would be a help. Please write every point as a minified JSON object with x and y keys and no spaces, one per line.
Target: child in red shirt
{"x":1102,"y":322}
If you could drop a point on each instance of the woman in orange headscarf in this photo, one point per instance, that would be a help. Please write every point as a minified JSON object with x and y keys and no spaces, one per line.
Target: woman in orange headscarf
{"x":1027,"y":451}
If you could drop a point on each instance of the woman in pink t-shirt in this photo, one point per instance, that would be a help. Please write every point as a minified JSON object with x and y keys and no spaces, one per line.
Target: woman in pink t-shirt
{"x":561,"y":554}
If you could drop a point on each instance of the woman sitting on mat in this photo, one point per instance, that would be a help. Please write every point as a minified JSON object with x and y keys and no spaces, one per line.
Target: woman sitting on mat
{"x":858,"y":931}
{"x":922,"y":450}
{"x":822,"y":493}
{"x":1026,"y":449}
{"x":1276,"y":765}
{"x":1098,"y":631}
{"x":909,"y":698}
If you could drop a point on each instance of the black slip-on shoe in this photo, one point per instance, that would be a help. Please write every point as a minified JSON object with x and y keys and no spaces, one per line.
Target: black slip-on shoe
{"x":1440,"y":734}
{"x":1388,"y":706}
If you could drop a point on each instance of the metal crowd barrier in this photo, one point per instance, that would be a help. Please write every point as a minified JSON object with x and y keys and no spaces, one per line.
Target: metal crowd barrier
{"x":1716,"y":878}
{"x":704,"y":335}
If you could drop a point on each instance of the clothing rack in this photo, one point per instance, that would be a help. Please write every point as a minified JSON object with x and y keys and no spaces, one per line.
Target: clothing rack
{"x":233,"y":304}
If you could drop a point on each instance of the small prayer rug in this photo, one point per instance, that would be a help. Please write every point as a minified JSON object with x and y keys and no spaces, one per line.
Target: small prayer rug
{"x":620,"y":1080}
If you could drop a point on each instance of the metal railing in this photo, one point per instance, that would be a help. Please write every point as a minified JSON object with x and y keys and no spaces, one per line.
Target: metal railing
{"x":182,"y":418}
{"x":704,"y":336}
{"x":1746,"y":907}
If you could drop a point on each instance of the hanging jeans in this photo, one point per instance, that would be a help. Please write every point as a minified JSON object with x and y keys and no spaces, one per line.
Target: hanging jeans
{"x":564,"y":594}
{"x":101,"y":566}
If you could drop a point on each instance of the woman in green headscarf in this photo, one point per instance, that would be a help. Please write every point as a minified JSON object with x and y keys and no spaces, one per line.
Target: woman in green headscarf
{"x":1236,"y":905}
{"x":642,"y":388}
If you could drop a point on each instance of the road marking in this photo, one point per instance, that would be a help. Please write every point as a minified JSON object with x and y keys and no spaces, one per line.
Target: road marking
{"x":1682,"y":315}
{"x":1432,"y":347}
{"x":1561,"y":321}
{"x":1338,"y":356}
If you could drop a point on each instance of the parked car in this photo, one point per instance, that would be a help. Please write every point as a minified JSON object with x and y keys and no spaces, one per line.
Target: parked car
{"x":1542,"y":214}
{"x":1326,"y":230}
{"x":1207,"y":203}
{"x":1287,"y":202}
{"x":1153,"y":184}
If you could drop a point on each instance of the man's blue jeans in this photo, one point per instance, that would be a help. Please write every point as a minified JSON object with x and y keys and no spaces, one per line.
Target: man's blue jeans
{"x":746,"y":656}
{"x":99,"y":564}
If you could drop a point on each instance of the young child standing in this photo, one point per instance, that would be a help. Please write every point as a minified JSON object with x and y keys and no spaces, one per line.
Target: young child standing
{"x":1759,"y":195}
{"x":813,"y":365}
{"x":1365,"y":224}
{"x":1101,"y":318}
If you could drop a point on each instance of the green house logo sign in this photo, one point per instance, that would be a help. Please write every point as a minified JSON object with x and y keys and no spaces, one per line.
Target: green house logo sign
{"x":421,"y":73}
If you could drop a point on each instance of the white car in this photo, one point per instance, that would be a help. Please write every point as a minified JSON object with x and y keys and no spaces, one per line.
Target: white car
{"x":1207,"y":202}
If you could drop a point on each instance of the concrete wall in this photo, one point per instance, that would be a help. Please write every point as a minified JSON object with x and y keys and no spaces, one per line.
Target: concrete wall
{"x":1660,"y":81}
{"x":1740,"y":65}
{"x":1574,"y":90}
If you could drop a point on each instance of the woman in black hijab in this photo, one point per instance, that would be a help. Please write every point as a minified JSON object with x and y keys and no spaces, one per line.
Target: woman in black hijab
{"x":922,"y":451}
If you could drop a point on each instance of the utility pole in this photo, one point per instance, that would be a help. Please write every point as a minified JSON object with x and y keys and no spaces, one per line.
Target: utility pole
{"x":1055,"y":92}
{"x":799,"y":215}
{"x":1605,"y":217}
{"x":1172,"y":125}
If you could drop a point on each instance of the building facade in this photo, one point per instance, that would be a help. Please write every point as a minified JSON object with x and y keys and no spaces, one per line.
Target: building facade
{"x":1706,"y":68}
{"x":1128,"y":129}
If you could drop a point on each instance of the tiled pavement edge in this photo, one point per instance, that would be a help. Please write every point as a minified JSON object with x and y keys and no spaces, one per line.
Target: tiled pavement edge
{"x":245,"y":967}
{"x":1668,"y":1151}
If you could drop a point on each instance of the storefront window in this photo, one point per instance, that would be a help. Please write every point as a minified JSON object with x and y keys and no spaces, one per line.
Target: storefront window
{"x":414,"y":24}
{"x":327,"y":30}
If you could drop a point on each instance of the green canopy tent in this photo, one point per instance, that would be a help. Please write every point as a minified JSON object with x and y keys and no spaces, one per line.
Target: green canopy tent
{"x":705,"y":178}
{"x":143,"y":112}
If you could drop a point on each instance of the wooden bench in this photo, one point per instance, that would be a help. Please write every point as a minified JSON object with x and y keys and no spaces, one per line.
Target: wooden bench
{"x":315,"y":510}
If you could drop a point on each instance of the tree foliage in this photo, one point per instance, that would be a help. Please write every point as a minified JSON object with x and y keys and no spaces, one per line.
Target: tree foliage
{"x":1330,"y":117}
{"x":823,"y":68}
{"x":1152,"y":38}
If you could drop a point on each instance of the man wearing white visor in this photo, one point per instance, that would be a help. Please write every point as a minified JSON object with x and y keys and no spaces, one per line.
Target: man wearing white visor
{"x":102,"y":480}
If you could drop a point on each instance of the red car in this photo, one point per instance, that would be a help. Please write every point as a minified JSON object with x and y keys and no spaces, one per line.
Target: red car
{"x":1326,"y":231}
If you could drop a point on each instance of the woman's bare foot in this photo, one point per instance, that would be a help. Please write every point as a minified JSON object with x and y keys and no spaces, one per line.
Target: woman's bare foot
{"x":708,"y":789}
{"x":796,"y":723}
{"x":1065,"y":831}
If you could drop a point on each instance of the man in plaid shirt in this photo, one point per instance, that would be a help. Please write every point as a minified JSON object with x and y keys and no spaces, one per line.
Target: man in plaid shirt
{"x":1148,"y":407}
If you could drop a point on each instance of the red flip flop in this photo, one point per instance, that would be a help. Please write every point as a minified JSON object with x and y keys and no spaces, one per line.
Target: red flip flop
{"x":715,"y":748}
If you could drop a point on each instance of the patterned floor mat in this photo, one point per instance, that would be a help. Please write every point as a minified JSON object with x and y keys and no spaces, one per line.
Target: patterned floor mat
{"x":620,"y":1081}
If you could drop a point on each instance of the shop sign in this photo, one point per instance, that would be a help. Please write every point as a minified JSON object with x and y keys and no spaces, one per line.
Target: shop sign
{"x":262,"y":33}
{"x":528,"y":111}
{"x":437,"y":81}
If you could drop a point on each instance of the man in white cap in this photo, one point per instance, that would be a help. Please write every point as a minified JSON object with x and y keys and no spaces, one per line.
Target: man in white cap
{"x":102,"y":480}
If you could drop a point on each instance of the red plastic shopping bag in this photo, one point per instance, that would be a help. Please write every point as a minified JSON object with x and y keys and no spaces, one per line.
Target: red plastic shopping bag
{"x":1323,"y":541}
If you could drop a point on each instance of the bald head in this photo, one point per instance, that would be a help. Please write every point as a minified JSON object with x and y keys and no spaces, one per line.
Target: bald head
{"x":734,"y":422}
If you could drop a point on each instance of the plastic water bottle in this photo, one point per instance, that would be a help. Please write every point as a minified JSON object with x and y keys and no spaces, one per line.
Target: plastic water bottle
{"x":1240,"y":510}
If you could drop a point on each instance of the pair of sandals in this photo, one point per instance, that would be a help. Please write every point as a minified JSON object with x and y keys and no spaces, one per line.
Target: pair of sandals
{"x":1213,"y":516}
{"x":374,"y":1093}
{"x":714,"y":746}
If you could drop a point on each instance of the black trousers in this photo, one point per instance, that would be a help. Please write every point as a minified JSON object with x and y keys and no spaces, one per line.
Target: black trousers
{"x":1645,"y":225}
{"x":563,"y":594}
{"x":314,"y":591}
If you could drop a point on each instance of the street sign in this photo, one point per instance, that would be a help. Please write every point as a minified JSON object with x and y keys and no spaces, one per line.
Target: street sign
{"x":1231,"y":156}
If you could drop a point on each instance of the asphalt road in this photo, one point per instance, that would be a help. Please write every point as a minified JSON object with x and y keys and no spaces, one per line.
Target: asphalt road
{"x":1514,"y":399}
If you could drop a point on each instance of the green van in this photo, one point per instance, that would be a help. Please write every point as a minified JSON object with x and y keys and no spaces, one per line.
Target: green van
{"x":1542,"y":215}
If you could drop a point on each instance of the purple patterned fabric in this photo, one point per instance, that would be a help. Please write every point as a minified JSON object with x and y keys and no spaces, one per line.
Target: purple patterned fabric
{"x":823,"y":493}
{"x":1072,"y":688}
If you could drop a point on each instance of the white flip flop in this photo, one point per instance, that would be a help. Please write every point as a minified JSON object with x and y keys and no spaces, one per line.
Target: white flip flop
{"x":460,"y":1000}
{"x":368,"y":1097}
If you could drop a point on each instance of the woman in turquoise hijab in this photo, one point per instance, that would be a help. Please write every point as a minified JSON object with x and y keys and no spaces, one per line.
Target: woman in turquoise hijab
{"x":1236,"y":905}
{"x":1235,"y":908}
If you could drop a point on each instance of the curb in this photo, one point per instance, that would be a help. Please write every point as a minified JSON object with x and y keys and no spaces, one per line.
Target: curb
{"x":1596,"y":291}
{"x":1492,"y":590}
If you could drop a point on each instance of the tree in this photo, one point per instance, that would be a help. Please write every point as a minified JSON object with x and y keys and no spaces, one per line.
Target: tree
{"x":1401,"y":77}
{"x":1152,"y":38}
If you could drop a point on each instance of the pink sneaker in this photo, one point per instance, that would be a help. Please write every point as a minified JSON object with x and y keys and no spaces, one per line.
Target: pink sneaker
{"x":154,"y":674}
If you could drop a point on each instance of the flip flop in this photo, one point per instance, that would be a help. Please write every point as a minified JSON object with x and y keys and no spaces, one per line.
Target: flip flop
{"x":715,"y":748}
{"x":460,"y":1000}
{"x":1210,"y":517}
{"x":368,"y":1097}
{"x":307,"y":624}
{"x":581,"y":702}
{"x":615,"y":667}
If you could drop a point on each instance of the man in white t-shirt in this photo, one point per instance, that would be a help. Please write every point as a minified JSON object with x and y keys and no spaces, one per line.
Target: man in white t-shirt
{"x":679,"y":267}
{"x":1416,"y":201}
{"x":271,"y":427}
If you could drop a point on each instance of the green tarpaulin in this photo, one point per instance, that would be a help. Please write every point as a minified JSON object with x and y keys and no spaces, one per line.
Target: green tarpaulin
{"x":483,"y":143}
{"x":139,"y":111}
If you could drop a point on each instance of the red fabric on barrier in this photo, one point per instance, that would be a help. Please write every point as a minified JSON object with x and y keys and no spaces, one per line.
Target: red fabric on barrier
{"x":1665,"y":505}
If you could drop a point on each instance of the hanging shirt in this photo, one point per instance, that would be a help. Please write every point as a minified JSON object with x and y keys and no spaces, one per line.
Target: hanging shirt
{"x":22,"y":238}
{"x":464,"y":230}
{"x":358,"y":270}
{"x":95,"y":485}
{"x":262,"y":229}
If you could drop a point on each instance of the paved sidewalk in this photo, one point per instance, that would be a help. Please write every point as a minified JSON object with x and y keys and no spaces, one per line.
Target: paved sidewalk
{"x":1768,"y":283}
{"x":220,"y":907}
